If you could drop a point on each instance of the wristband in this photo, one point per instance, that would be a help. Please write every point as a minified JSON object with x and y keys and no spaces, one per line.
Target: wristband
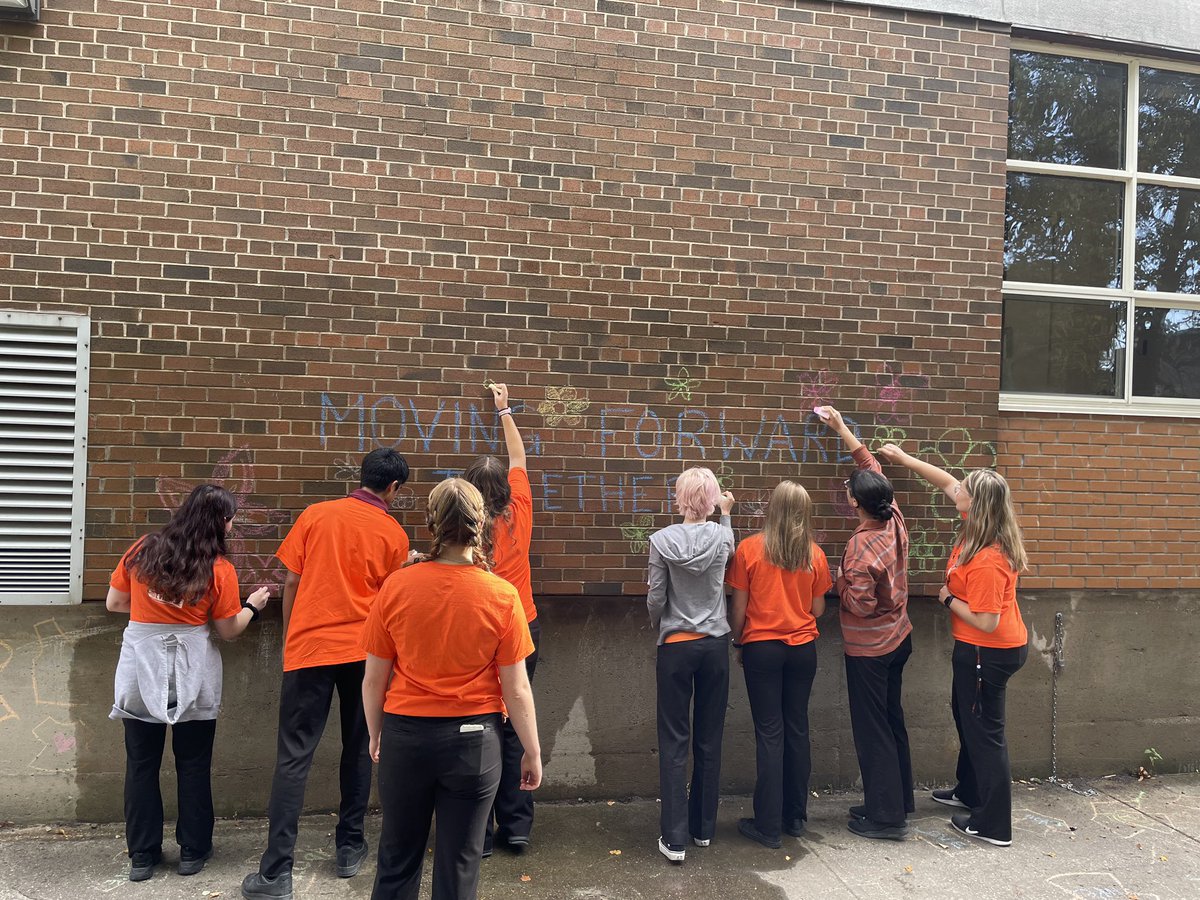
{"x":507,"y":411}
{"x":950,"y":598}
{"x":255,"y":612}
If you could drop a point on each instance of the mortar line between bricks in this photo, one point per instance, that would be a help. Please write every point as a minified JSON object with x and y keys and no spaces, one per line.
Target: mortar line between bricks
{"x":1141,"y":811}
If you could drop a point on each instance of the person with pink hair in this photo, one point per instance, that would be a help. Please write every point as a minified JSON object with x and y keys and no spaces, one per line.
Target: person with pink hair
{"x":686,"y":601}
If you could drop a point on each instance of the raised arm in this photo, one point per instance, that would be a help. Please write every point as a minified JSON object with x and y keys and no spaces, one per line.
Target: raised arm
{"x":512,"y":435}
{"x":834,"y":422}
{"x":939,"y":478}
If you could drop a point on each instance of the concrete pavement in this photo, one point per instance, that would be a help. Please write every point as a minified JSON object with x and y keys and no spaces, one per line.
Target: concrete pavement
{"x":1126,"y":840}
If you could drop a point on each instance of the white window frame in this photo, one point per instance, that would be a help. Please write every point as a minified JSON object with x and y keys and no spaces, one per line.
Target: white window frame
{"x":1129,"y":176}
{"x":83,"y":327}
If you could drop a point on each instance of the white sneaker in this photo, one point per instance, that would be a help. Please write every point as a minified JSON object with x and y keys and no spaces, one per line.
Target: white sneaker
{"x":962,"y":823}
{"x":701,"y":842}
{"x":674,"y":852}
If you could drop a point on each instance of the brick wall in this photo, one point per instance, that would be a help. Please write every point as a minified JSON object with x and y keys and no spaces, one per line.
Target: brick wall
{"x":305,"y":230}
{"x":1106,"y":503}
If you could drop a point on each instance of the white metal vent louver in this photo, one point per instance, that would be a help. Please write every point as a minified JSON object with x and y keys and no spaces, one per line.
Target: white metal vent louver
{"x":43,"y":456}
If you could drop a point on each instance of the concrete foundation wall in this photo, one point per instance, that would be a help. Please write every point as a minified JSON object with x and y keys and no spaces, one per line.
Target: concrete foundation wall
{"x":1127,"y":687}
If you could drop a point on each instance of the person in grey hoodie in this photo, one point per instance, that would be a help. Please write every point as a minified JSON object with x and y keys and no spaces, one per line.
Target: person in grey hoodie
{"x":686,"y":601}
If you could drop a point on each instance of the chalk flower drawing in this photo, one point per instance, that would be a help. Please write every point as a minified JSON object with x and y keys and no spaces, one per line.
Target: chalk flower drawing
{"x":681,"y":385}
{"x":346,"y":468}
{"x":637,"y":533}
{"x":818,"y":387}
{"x":888,"y":434}
{"x":725,"y":477}
{"x":976,"y":455}
{"x":563,"y":406}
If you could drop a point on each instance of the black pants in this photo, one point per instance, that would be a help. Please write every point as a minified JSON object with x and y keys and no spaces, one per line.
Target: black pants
{"x":690,"y":671}
{"x":779,"y":679}
{"x":880,"y":738}
{"x":514,"y":807}
{"x":192,"y":744}
{"x":304,"y":701}
{"x":430,"y":766}
{"x":984,"y":775}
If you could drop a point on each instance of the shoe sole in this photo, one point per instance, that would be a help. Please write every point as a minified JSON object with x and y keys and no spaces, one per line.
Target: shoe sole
{"x":517,"y":845}
{"x":675,"y":856}
{"x":142,"y":874}
{"x":979,"y":837}
{"x":257,"y":895}
{"x":761,"y":841}
{"x":701,"y":843}
{"x":952,"y":802}
{"x":881,"y":835}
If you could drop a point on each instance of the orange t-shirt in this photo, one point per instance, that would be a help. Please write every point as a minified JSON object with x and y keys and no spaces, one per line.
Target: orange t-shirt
{"x":222,"y":600}
{"x":780,"y":604}
{"x":343,"y":550}
{"x":511,"y":539}
{"x":446,"y":629}
{"x":987,"y":584}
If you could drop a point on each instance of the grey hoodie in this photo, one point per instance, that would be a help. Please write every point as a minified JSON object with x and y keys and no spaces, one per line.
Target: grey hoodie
{"x":687,"y":578}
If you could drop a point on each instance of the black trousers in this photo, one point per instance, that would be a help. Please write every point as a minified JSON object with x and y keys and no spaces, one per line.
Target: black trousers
{"x":984,"y":776}
{"x":880,"y":737}
{"x":691,"y":671}
{"x":428,"y":767}
{"x":779,"y":680}
{"x":513,"y":811}
{"x":191,"y":743}
{"x":304,"y":701}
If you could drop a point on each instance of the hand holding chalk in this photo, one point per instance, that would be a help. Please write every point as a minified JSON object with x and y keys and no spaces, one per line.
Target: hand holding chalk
{"x":821,"y":413}
{"x":830,"y":416}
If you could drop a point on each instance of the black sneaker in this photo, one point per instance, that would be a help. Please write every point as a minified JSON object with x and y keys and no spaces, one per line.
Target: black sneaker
{"x":962,"y":823}
{"x":190,"y":863}
{"x":794,"y":827}
{"x":947,"y":797}
{"x":674,"y":852}
{"x":747,"y":828}
{"x":517,"y":843}
{"x":257,"y":886}
{"x":868,"y":829}
{"x":143,"y":863}
{"x":858,"y":812}
{"x":350,"y":859}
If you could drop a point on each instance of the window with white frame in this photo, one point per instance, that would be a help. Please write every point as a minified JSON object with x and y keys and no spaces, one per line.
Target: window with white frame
{"x":1102,"y":234}
{"x":43,"y":456}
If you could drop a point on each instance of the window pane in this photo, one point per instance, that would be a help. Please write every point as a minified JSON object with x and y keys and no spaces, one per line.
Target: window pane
{"x":1168,"y":240}
{"x":1063,"y":230}
{"x":1063,"y":109}
{"x":1166,"y":357}
{"x":1169,"y":123}
{"x":1063,"y":346}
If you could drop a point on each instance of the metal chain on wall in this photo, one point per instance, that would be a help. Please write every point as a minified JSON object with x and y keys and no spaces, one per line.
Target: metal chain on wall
{"x":1060,"y":663}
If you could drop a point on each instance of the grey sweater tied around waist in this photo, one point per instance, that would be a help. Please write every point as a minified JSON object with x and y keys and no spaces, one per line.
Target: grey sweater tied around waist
{"x":687,"y":578}
{"x":167,"y":673}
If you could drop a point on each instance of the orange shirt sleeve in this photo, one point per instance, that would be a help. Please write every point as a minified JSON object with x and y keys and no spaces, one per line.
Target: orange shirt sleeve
{"x":738,"y":576}
{"x":291,"y":551}
{"x":120,"y":576}
{"x":516,"y":642}
{"x":821,"y":579}
{"x":987,"y":580}
{"x":227,"y":596}
{"x":376,"y":639}
{"x":521,"y":503}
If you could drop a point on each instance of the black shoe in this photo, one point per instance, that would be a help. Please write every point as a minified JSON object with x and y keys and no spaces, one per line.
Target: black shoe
{"x":350,"y":859}
{"x":191,"y":864}
{"x":868,"y":829}
{"x":858,"y":812}
{"x":962,"y":822}
{"x":947,"y":797}
{"x":747,"y":828}
{"x":674,"y":852}
{"x":794,"y":827}
{"x":143,"y":864}
{"x":256,"y":886}
{"x":518,"y":843}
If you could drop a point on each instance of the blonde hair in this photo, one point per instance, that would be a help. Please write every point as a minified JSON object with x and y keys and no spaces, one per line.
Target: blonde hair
{"x":992,"y":520}
{"x":697,"y":492}
{"x":455,"y":515}
{"x":787,"y":534}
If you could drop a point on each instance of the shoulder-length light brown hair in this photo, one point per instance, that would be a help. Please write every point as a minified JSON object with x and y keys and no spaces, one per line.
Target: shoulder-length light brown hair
{"x":992,"y":519}
{"x":787,"y":535}
{"x":455,"y":515}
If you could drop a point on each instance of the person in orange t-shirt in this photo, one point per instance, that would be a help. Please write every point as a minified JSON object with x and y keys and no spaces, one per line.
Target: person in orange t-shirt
{"x":990,"y":641}
{"x":338,"y":555}
{"x":779,"y":578}
{"x":446,"y":644}
{"x":174,"y":584}
{"x":507,"y":534}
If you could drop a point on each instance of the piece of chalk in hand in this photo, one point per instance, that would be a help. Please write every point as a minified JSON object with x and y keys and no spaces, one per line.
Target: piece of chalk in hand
{"x":820,"y":411}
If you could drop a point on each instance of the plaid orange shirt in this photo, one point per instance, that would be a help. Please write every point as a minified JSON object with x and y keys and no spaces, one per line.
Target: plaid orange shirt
{"x":873,"y":582}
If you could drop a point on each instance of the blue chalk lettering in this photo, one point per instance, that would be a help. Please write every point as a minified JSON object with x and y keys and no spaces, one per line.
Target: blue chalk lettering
{"x":656,"y":434}
{"x":683,"y":432}
{"x":426,"y":433}
{"x":327,"y":404}
{"x":548,"y":492}
{"x":639,"y":494}
{"x":376,"y":440}
{"x":604,"y":429}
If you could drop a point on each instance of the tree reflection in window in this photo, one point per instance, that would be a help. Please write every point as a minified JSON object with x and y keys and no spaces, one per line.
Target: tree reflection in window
{"x":1063,"y":346}
{"x":1169,"y":122}
{"x":1068,"y":110}
{"x":1166,"y":358}
{"x":1168,"y":240}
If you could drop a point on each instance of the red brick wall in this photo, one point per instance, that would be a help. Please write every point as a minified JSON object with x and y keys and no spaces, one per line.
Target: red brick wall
{"x":1106,"y":503}
{"x":270,"y":209}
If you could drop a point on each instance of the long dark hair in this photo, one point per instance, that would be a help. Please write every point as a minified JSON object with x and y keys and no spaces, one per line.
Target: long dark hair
{"x":490,"y":477}
{"x":177,"y":562}
{"x":873,"y":492}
